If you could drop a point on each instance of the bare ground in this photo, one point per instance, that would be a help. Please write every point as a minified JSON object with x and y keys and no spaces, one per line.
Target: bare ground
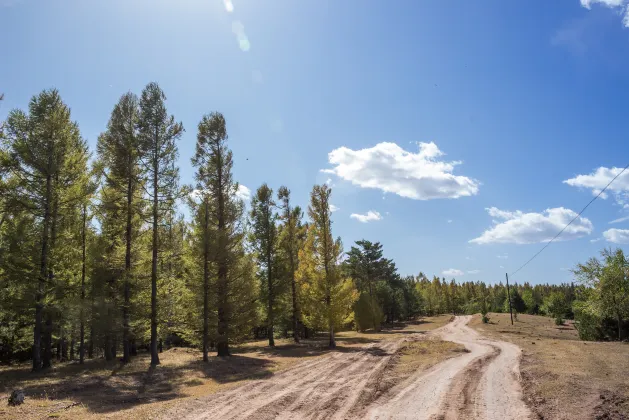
{"x":110,"y":390}
{"x":480,"y":383}
{"x":562,"y":376}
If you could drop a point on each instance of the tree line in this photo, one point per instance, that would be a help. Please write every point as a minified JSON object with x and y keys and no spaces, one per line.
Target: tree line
{"x":97,"y":259}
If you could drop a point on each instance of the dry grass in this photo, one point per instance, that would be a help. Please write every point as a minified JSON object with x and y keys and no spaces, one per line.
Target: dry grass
{"x":563,"y":377}
{"x":417,"y":356}
{"x":111,"y":390}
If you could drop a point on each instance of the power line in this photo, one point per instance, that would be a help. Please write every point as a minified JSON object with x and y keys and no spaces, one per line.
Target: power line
{"x":575,"y":218}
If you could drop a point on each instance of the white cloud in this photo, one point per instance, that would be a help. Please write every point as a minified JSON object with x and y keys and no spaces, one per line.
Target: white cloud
{"x":503,"y":256}
{"x":469,"y":258}
{"x":333,"y":208}
{"x":473,"y":272}
{"x":229,"y":6}
{"x":452,"y":272}
{"x":617,"y":236}
{"x":388,"y":167}
{"x":501,"y":266}
{"x":449,"y":220}
{"x":369,"y":217}
{"x":595,"y":240}
{"x":528,"y":228}
{"x":621,"y":6}
{"x":622,"y":219}
{"x":243,"y":193}
{"x":599,"y":179}
{"x":609,"y":3}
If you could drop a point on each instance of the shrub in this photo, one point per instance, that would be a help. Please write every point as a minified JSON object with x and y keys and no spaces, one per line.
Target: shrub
{"x":558,"y":320}
{"x":587,"y":323}
{"x":367,"y":313}
{"x":485,"y":319}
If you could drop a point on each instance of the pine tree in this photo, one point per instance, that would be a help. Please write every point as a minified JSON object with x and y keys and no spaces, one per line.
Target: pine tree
{"x":265,"y":241}
{"x":292,"y":234}
{"x":235,"y":295}
{"x":47,"y":160}
{"x":119,"y":163}
{"x":158,"y":134}
{"x":319,"y":271}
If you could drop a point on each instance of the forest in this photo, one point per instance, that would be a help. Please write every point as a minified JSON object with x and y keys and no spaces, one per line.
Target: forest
{"x":97,"y":257}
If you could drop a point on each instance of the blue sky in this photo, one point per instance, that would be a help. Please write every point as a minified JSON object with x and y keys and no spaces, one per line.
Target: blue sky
{"x":510,"y":99}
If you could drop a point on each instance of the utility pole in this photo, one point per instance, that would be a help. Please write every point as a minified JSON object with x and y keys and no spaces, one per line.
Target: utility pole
{"x":509,"y":297}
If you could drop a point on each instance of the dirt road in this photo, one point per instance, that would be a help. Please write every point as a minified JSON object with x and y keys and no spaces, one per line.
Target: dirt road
{"x":481,"y":384}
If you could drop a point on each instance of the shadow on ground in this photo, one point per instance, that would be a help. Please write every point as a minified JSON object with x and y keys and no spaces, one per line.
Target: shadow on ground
{"x":105,"y":387}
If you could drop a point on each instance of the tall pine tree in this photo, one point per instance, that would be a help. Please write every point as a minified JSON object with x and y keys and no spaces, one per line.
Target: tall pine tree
{"x":45,"y":159}
{"x":319,"y":272}
{"x":264,"y":238}
{"x":119,"y":163}
{"x":158,"y":134}
{"x":292,"y":233}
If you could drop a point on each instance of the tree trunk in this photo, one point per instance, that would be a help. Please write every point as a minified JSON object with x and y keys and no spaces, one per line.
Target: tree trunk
{"x":107,"y":346}
{"x":332,"y":340}
{"x":64,"y":349}
{"x":90,"y":347}
{"x":59,"y":349}
{"x":270,"y":307}
{"x":51,"y":281}
{"x":295,"y":315}
{"x":222,"y":345}
{"x":206,"y":276}
{"x":47,"y":360}
{"x":126,"y":357}
{"x":154,"y":355}
{"x":82,"y":327}
{"x":43,"y":272}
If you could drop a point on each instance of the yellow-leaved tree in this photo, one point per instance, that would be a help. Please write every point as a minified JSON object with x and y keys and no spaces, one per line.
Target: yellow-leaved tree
{"x":326,"y":295}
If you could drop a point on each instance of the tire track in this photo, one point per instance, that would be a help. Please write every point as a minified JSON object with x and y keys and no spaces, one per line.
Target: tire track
{"x":480,"y":384}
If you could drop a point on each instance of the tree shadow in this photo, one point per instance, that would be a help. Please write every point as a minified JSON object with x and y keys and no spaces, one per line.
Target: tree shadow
{"x":105,"y":387}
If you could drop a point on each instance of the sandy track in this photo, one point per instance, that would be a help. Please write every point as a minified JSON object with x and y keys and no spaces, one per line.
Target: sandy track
{"x":481,"y":384}
{"x":327,"y":387}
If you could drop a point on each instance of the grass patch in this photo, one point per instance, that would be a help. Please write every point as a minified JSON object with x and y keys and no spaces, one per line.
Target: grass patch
{"x":416,"y":356}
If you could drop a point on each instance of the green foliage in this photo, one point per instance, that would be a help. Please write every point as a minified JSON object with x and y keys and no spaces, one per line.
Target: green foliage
{"x":607,"y":283}
{"x":367,"y":313}
{"x":291,"y":239}
{"x":555,"y":305}
{"x":320,"y":276}
{"x":149,"y":276}
{"x":587,"y":321}
{"x":265,"y":243}
{"x":517,"y":303}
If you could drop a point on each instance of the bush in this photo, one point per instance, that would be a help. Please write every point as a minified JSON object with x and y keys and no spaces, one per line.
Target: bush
{"x":588,"y":325}
{"x":485,"y":319}
{"x":367,"y":313}
{"x":558,"y":320}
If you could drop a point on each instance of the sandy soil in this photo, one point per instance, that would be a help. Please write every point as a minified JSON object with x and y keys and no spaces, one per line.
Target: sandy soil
{"x":564,"y":378}
{"x":480,"y":383}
